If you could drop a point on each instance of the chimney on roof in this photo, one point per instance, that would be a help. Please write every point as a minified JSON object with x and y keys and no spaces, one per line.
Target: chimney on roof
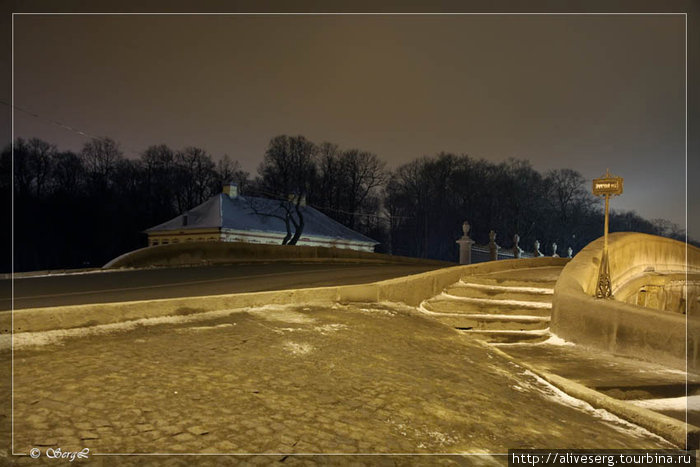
{"x":184,"y":219}
{"x":231,"y":189}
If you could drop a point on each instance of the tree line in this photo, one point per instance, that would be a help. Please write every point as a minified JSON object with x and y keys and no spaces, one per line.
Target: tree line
{"x":81,"y":209}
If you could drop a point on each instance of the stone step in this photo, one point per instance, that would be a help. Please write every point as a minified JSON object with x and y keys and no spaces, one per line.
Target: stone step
{"x":445,"y":305}
{"x":494,"y":322}
{"x":543,"y":274}
{"x":506,"y":307}
{"x":502,"y":302}
{"x":505,"y":288}
{"x":509,"y":337}
{"x":494,"y":281}
{"x":502,"y":293}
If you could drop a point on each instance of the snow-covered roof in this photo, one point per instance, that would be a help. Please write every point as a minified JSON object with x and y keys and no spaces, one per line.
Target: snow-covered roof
{"x":247,"y":213}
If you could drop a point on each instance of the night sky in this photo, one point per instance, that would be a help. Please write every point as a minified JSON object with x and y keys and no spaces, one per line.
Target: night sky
{"x":586,"y":92}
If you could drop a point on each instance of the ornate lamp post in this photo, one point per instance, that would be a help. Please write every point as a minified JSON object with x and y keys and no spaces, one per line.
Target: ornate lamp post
{"x":606,"y":186}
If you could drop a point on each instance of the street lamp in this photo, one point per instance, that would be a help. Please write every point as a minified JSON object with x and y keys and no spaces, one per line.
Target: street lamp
{"x":606,"y":186}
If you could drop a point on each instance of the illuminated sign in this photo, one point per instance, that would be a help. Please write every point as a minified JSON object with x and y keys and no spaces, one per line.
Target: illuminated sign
{"x":607,"y":186}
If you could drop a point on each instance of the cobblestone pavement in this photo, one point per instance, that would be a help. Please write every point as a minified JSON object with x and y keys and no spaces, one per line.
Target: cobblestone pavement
{"x":361,"y":378}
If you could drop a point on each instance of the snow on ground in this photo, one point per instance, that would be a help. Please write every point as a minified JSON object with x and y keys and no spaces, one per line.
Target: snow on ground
{"x":555,"y":394}
{"x":284,"y":313}
{"x":494,"y":317}
{"x":56,"y":273}
{"x":505,"y":288}
{"x":523,"y":303}
{"x":34,"y":339}
{"x":529,"y":332}
{"x":205,"y":328}
{"x":298,"y":348}
{"x":555,"y":340}
{"x":691,"y":403}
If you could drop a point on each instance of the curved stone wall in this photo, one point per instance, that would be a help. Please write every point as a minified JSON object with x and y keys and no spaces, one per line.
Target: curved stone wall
{"x":624,"y":328}
{"x":210,"y":253}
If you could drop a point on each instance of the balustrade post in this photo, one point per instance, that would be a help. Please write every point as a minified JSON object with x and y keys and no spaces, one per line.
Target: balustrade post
{"x":465,"y":245}
{"x":493,"y":246}
{"x":517,"y":251}
{"x":537,"y":253}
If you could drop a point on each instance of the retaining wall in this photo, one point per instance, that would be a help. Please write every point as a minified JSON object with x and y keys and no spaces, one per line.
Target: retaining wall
{"x":206,"y":253}
{"x":623,"y":328}
{"x":411,"y":290}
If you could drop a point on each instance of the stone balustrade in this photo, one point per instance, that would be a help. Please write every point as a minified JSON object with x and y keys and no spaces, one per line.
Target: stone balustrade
{"x":470,"y":252}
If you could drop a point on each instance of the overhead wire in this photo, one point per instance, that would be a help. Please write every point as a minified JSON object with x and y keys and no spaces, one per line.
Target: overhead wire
{"x":62,"y":125}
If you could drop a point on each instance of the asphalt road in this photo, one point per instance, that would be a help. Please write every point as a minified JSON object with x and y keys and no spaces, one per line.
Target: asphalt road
{"x":118,"y":286}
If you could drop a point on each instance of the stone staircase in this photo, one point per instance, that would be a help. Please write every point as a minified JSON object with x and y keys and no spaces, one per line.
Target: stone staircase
{"x":504,"y":307}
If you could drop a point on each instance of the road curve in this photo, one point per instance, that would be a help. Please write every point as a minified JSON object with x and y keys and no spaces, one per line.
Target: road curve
{"x":118,"y":286}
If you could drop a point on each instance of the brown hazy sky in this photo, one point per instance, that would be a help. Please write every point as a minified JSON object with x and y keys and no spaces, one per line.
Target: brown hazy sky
{"x":567,"y":91}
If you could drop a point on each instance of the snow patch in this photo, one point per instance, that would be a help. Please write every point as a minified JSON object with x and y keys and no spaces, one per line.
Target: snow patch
{"x":690,"y":403}
{"x":298,"y":348}
{"x":329,"y":328}
{"x":494,"y":317}
{"x":283,"y":330}
{"x":41,"y":338}
{"x":22,"y":276}
{"x":378,"y":311}
{"x":492,"y":301}
{"x":281,"y":313}
{"x":505,"y":288}
{"x":557,"y":395}
{"x":421,"y":308}
{"x":205,"y":328}
{"x":556,"y":340}
{"x":530,"y":332}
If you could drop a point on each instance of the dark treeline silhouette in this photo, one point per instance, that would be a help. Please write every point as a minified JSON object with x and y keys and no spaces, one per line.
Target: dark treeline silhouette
{"x":75,"y":210}
{"x":81,"y":210}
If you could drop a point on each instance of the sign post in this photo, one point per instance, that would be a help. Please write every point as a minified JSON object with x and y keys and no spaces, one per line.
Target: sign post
{"x":606,"y":186}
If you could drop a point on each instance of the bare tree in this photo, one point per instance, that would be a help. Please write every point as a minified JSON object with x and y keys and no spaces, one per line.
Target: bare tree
{"x":565,"y":187}
{"x":363,"y":173}
{"x":228,"y":170}
{"x":287,"y":174}
{"x":41,"y":157}
{"x":67,"y":173}
{"x":330,"y":181}
{"x":194,"y":175}
{"x":100,"y":157}
{"x":21,"y":170}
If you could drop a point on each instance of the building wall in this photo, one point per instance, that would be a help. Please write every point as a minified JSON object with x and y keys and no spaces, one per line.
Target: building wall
{"x":268,"y":238}
{"x":198,"y":235}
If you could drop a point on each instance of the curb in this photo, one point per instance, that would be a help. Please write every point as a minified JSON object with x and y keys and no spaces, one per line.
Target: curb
{"x":411,"y":290}
{"x":683,"y":435}
{"x":72,"y":272}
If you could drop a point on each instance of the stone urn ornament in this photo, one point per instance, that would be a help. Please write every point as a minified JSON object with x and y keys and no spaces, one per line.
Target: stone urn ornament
{"x":538,"y":253}
{"x":493,"y":246}
{"x":517,"y":251}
